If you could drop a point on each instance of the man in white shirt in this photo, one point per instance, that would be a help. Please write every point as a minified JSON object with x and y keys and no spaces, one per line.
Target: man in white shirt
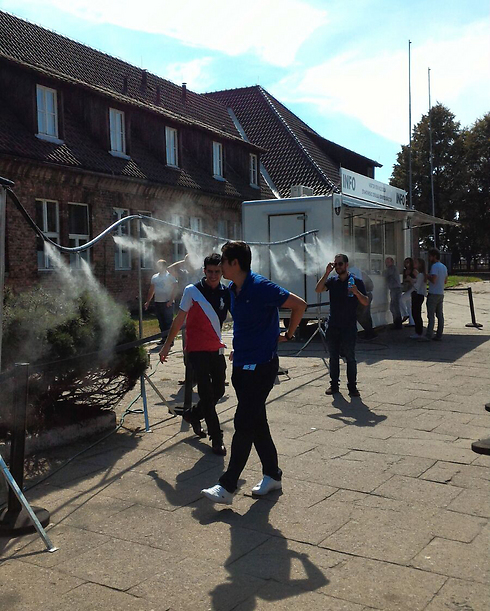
{"x":437,"y":277}
{"x":163,"y":286}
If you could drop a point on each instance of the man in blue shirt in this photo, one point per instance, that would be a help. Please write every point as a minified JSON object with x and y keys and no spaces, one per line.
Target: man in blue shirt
{"x":254,"y":305}
{"x":342,"y":323}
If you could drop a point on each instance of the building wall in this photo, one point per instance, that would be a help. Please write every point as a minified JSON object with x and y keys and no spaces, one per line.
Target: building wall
{"x":102,"y":194}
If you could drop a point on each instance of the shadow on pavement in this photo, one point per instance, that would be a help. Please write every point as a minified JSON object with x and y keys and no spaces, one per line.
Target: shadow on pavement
{"x":355,"y":412}
{"x":275,"y":563}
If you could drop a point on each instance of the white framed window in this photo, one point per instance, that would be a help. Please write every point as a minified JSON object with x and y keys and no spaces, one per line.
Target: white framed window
{"x":171,"y":146}
{"x":231,"y":230}
{"x":47,"y":112}
{"x":78,"y":231}
{"x":179,"y":242}
{"x":48,"y":220}
{"x":146,"y":245}
{"x":117,"y":131}
{"x":254,"y":170}
{"x":122,"y":258}
{"x":218,"y":160}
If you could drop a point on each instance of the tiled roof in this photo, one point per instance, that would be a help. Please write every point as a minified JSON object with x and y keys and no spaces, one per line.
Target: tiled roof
{"x":295,"y":154}
{"x":79,"y":151}
{"x":64,"y":59}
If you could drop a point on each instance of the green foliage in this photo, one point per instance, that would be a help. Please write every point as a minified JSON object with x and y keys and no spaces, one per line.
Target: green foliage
{"x":44,"y":327}
{"x":461,"y":176}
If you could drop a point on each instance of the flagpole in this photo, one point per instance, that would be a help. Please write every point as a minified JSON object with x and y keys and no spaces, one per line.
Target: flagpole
{"x":409,"y":128}
{"x":431,"y":164}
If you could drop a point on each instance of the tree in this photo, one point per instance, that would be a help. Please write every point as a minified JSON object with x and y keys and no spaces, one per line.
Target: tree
{"x":43,"y":326}
{"x":475,"y":213}
{"x":448,"y":171}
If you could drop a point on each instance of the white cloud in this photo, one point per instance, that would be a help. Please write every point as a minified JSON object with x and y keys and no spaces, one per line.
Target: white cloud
{"x":195,"y":73}
{"x":273,"y":29}
{"x":374,"y":89}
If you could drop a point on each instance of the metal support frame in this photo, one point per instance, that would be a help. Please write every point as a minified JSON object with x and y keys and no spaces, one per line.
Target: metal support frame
{"x":140,"y":321}
{"x":18,"y":517}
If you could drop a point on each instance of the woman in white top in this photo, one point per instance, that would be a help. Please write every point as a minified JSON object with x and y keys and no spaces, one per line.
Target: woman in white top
{"x":418,"y":295}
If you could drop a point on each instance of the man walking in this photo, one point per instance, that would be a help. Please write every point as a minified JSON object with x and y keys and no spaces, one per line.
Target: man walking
{"x":346,"y":292}
{"x":205,"y":305}
{"x":254,"y":305}
{"x":437,"y":277}
{"x":163,"y":286}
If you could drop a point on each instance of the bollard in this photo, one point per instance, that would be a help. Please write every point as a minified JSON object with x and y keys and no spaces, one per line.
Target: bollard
{"x":473,"y":322}
{"x":15,"y":519}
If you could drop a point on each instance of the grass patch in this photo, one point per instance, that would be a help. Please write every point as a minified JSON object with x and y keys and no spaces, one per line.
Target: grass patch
{"x":456,"y":280}
{"x":150,"y":324}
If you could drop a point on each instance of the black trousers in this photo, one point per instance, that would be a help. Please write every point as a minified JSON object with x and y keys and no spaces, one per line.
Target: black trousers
{"x":209,"y":371}
{"x":417,"y":301}
{"x":251,"y":427}
{"x":342,"y":342}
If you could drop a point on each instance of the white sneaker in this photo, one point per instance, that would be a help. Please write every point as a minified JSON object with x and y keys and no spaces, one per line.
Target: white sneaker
{"x":218,"y":494}
{"x":266,"y":485}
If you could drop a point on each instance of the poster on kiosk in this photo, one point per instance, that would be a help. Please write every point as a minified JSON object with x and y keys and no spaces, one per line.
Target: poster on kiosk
{"x":366,"y":219}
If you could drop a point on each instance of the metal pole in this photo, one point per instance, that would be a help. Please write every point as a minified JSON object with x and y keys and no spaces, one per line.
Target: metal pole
{"x":473,"y":322}
{"x":140,"y":321}
{"x":431,"y":165}
{"x":3,"y":206}
{"x":409,"y":128}
{"x":14,"y":520}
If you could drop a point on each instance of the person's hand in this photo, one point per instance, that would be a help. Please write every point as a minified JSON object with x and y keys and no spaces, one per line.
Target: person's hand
{"x":231,"y":356}
{"x":329,"y":267}
{"x":146,"y":305}
{"x":164,"y":353}
{"x":170,"y":304}
{"x":353,"y":289}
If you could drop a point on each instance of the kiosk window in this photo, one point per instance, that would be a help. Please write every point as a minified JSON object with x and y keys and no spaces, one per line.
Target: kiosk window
{"x":376,"y":237}
{"x":360,"y":234}
{"x":390,"y":247}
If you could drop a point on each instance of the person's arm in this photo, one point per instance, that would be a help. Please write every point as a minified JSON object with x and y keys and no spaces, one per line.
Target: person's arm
{"x":170,"y":302}
{"x":363,"y":299}
{"x":151,"y":292}
{"x":297,"y":307}
{"x":174,"y":268}
{"x":320,"y":286}
{"x":172,"y":334}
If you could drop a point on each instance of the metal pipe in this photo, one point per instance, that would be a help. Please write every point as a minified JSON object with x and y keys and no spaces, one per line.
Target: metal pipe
{"x":3,"y":205}
{"x":17,"y":447}
{"x":431,"y":166}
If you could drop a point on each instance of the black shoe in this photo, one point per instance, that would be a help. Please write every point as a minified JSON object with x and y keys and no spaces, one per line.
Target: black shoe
{"x":218,"y":449}
{"x":332,"y":390}
{"x":437,"y":338}
{"x":353,"y":392}
{"x":189,"y":417}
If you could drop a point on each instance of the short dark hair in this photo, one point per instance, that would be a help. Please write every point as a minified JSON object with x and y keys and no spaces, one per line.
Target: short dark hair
{"x":345,"y":258}
{"x":434,"y":252}
{"x":212,"y":259}
{"x":239,"y":251}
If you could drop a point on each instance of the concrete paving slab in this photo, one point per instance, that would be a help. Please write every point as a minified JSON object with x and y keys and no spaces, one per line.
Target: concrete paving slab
{"x":455,"y":559}
{"x":461,"y":595}
{"x":196,"y":585}
{"x":414,"y":490}
{"x":383,"y":585}
{"x":23,"y":585}
{"x":463,"y":476}
{"x":474,"y":502}
{"x":117,"y":564}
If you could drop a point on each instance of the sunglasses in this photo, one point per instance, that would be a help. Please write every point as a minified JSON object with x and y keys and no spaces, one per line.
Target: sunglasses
{"x":339,"y":263}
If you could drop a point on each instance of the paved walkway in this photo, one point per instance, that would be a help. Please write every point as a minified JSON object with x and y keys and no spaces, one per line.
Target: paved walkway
{"x":384,"y":505}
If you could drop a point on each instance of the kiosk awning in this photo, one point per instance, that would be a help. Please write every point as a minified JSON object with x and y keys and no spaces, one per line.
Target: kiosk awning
{"x":418,"y":219}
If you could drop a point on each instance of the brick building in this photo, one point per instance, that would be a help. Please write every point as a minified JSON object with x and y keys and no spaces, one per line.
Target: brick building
{"x":88,"y":139}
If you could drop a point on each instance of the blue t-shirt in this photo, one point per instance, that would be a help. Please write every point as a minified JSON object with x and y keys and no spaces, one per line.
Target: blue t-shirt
{"x":343,"y":309}
{"x":256,"y":319}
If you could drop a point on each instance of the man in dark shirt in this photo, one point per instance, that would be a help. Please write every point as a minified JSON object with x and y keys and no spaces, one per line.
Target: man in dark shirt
{"x":205,"y":305}
{"x":254,"y":305}
{"x":342,"y":323}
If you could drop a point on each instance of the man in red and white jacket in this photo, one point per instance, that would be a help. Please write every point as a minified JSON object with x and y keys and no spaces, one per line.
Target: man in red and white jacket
{"x":205,"y":305}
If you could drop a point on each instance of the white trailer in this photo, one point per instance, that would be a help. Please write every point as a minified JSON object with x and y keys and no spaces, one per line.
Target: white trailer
{"x":368,"y":221}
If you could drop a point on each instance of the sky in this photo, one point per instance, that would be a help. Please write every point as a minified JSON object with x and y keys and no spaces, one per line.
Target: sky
{"x":340,"y":65}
